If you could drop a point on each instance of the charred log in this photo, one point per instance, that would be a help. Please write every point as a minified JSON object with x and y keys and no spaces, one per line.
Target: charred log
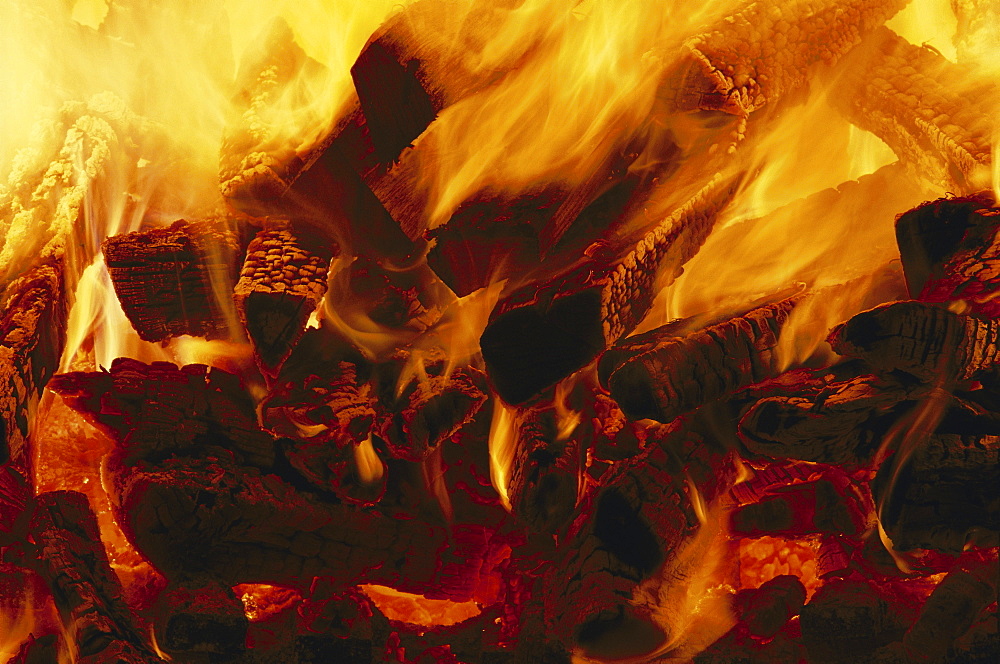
{"x":765,"y":610}
{"x":281,"y":285}
{"x":840,"y":423}
{"x":944,"y":496}
{"x":766,"y":50}
{"x":170,"y":281}
{"x":154,"y":411}
{"x":541,"y":334}
{"x":949,"y":251}
{"x":661,"y":377}
{"x":87,"y":593}
{"x":32,"y":334}
{"x":935,"y":115}
{"x":925,"y":340}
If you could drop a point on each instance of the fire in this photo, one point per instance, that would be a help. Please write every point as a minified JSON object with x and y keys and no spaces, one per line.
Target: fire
{"x":125,"y":131}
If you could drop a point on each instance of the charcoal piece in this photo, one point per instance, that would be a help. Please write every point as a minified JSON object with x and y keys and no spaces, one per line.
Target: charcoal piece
{"x":170,"y":280}
{"x":543,"y":332}
{"x":765,"y":610}
{"x":943,"y":495}
{"x":821,"y":506}
{"x":282,"y":283}
{"x":660,"y":376}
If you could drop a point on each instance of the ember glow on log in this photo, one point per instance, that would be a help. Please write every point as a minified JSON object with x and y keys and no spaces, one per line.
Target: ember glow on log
{"x":499,"y":332}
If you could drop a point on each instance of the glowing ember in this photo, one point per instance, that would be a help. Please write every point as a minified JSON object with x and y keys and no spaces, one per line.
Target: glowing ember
{"x":419,"y":610}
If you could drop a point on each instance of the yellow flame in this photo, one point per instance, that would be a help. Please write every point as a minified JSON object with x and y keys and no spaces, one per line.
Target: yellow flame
{"x":369,"y":465}
{"x":567,"y":419}
{"x":502,"y":445}
{"x":156,"y":646}
{"x":15,"y":627}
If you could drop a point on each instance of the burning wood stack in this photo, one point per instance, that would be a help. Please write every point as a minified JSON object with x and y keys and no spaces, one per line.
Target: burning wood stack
{"x":567,"y":488}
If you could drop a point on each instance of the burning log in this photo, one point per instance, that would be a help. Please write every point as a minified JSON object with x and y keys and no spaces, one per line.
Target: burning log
{"x":172,"y":281}
{"x":945,"y":495}
{"x":661,"y":376}
{"x":545,"y":475}
{"x":204,"y":618}
{"x":935,"y":115}
{"x":765,"y":610}
{"x":282,"y":283}
{"x":925,"y":340}
{"x":848,"y":620}
{"x":32,"y":334}
{"x":87,"y":592}
{"x":430,"y":409}
{"x":541,"y":334}
{"x":641,"y":537}
{"x":212,"y":518}
{"x":948,"y":248}
{"x":841,"y":423}
{"x":821,"y":506}
{"x":155,"y":411}
{"x":766,"y":50}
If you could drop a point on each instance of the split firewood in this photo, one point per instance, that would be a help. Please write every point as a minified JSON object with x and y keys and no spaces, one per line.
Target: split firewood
{"x":408,"y":300}
{"x":848,"y":620}
{"x":637,"y":551}
{"x":154,"y":411}
{"x":944,"y":495}
{"x":212,"y":518}
{"x":87,"y":592}
{"x":203,"y":618}
{"x":175,"y":280}
{"x":282,"y":283}
{"x":766,"y":50}
{"x":32,"y":334}
{"x":839,"y":423}
{"x":935,"y":115}
{"x":925,"y":340}
{"x":822,"y":506}
{"x":950,"y":251}
{"x":661,"y":377}
{"x":541,"y":334}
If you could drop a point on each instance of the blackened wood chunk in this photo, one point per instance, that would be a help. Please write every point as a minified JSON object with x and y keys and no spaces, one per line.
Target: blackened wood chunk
{"x":663,"y":376}
{"x":15,"y":494}
{"x":158,"y":410}
{"x":944,"y":496}
{"x":201,"y":618}
{"x":393,"y":298}
{"x":32,"y":334}
{"x":925,"y":340}
{"x":934,"y":239}
{"x":43,"y":650}
{"x":282,"y":283}
{"x":841,"y":423}
{"x":765,"y":610}
{"x":315,"y":649}
{"x":73,"y":562}
{"x":174,"y":280}
{"x":847,"y":620}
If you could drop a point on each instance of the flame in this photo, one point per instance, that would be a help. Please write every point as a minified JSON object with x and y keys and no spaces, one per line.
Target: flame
{"x":370,"y":466}
{"x":15,"y":626}
{"x":502,"y":445}
{"x":417,"y":609}
{"x":156,"y":646}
